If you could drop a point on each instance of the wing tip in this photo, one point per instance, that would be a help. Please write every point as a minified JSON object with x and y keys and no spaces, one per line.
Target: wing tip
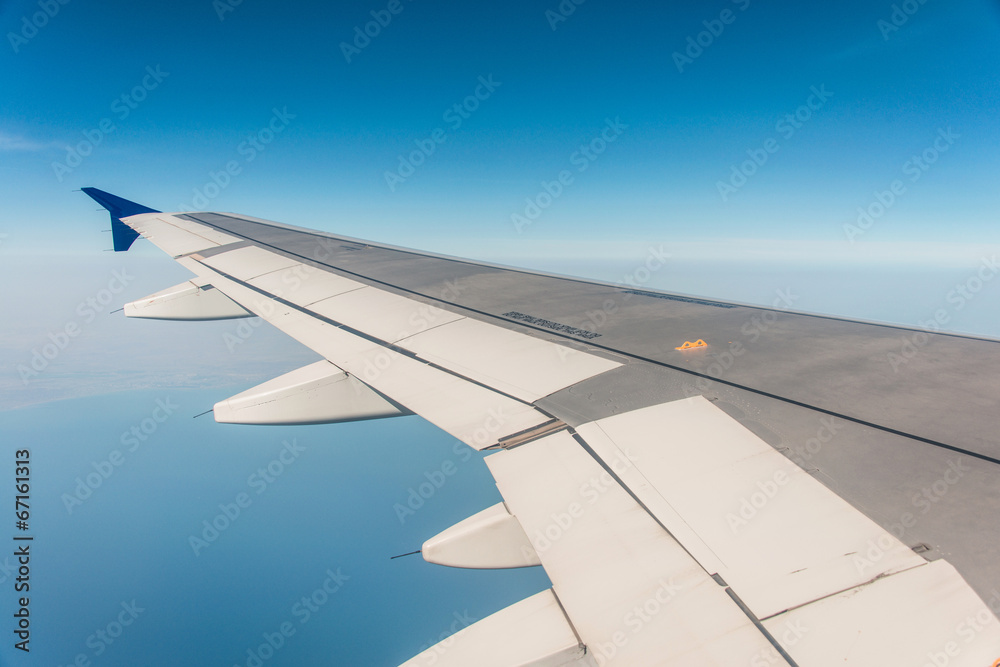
{"x":118,"y":207}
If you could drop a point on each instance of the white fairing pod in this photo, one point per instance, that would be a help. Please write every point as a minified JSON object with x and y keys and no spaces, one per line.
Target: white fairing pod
{"x":533,"y":632}
{"x":187,"y":301}
{"x":491,"y":539}
{"x":319,"y":393}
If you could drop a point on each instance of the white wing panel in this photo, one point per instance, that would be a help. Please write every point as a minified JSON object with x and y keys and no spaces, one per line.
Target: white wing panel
{"x":776,"y":535}
{"x":382,"y":314}
{"x":924,"y":616}
{"x":519,"y":365}
{"x":302,"y":284}
{"x":633,"y":594}
{"x":204,"y":231}
{"x":144,"y":223}
{"x":248,"y":262}
{"x":170,"y":239}
{"x":475,"y":415}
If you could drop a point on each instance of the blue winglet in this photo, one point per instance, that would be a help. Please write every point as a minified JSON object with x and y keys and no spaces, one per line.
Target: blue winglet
{"x":119,"y":208}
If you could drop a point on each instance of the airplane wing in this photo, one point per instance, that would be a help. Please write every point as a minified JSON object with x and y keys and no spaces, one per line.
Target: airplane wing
{"x":704,"y":482}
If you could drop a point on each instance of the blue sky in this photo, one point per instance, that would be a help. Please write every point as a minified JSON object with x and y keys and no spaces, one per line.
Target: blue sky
{"x":892,"y":91}
{"x":846,"y":152}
